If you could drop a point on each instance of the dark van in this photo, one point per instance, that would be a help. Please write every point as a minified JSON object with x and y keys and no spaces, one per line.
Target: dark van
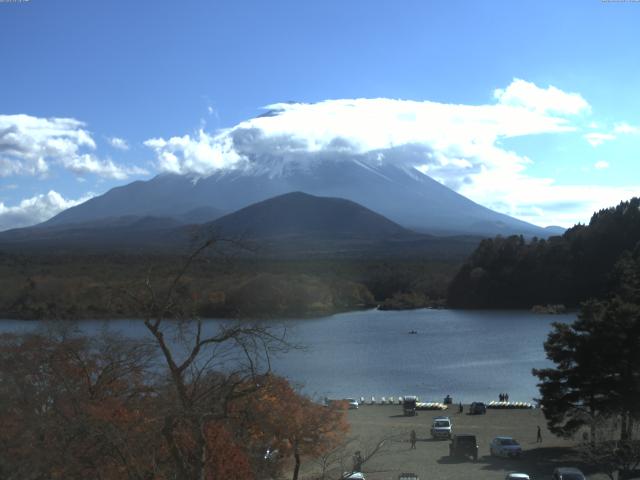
{"x":409,"y":406}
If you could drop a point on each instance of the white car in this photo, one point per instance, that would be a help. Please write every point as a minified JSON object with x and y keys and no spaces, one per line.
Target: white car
{"x":505,"y":447}
{"x":517,"y":476}
{"x":441,"y":428}
{"x":353,"y":476}
{"x":353,"y":403}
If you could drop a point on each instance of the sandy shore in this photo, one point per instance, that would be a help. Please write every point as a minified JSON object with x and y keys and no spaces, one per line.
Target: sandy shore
{"x":431,"y":461}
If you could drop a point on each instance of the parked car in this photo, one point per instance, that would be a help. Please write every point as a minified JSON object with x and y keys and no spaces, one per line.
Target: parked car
{"x":568,"y":473}
{"x":441,"y":428}
{"x":271,"y":454}
{"x":353,"y":403}
{"x":505,"y":447}
{"x":477,"y":408}
{"x":517,"y":476}
{"x":353,"y":476}
{"x":464,"y":445}
{"x":408,"y":476}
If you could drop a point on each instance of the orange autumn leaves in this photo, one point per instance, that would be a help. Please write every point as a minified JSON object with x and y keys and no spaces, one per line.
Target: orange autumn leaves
{"x":73,"y":407}
{"x":280,"y":417}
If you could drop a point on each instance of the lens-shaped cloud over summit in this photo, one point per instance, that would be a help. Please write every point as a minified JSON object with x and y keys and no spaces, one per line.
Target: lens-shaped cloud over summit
{"x":461,"y":146}
{"x":449,"y":141}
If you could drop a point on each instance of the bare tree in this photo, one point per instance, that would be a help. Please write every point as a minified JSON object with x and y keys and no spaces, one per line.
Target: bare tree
{"x":209,"y":364}
{"x":333,"y":462}
{"x":354,"y":453}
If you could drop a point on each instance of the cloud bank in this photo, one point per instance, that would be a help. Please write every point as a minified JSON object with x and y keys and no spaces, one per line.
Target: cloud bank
{"x":461,"y":135}
{"x":29,"y":145}
{"x":35,"y":209}
{"x":460,"y":146}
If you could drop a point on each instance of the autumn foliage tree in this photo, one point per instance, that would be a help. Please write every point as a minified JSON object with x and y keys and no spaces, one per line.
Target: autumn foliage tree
{"x":194,"y":400}
{"x":74,"y":407}
{"x":78,"y":407}
{"x":281,"y":419}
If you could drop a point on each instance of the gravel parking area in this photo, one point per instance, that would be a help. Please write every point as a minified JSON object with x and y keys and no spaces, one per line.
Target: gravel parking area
{"x":431,"y":461}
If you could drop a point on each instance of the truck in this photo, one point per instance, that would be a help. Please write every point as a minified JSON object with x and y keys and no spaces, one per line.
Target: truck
{"x":409,"y":406}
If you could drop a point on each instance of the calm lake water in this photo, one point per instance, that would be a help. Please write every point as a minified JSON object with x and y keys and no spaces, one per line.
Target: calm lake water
{"x":471,"y":355}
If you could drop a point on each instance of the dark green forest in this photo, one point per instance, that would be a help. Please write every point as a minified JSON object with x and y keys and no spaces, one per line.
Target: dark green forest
{"x":569,"y":269}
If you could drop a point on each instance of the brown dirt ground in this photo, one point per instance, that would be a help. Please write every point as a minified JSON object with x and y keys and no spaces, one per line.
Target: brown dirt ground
{"x":431,"y":461}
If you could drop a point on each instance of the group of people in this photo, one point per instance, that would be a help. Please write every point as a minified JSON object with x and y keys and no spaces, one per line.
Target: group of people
{"x":504,"y":397}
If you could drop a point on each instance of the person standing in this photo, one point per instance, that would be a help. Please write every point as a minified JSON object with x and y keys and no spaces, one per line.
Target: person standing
{"x":460,"y":409}
{"x":357,"y":461}
{"x":539,"y":435}
{"x":412,"y":439}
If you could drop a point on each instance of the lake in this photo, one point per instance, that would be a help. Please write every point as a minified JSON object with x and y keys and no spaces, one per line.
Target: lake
{"x":470,"y":355}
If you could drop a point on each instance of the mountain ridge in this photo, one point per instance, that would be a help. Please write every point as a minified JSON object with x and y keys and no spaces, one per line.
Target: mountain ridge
{"x":402,"y":194}
{"x":290,"y":225}
{"x":301,"y":214}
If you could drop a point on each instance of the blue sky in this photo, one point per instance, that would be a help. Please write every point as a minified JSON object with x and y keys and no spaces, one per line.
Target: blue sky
{"x":168,"y":79}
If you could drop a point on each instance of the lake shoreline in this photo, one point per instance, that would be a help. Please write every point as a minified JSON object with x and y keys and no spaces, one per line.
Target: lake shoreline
{"x":469,"y":354}
{"x":304,"y":314}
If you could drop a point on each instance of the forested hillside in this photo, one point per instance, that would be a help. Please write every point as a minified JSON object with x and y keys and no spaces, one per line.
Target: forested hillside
{"x":514,"y":273}
{"x":100,"y":286}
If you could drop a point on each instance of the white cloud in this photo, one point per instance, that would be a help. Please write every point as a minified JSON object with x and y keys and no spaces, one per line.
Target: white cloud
{"x":83,"y":164}
{"x":119,"y":143}
{"x":445,"y":133}
{"x":27,"y":142}
{"x":458,"y":145}
{"x":521,"y":93}
{"x":543,"y":202}
{"x":596,"y":139}
{"x":36,"y":209}
{"x":601,"y":165}
{"x":626,"y":128}
{"x":202,"y":154}
{"x":29,"y":145}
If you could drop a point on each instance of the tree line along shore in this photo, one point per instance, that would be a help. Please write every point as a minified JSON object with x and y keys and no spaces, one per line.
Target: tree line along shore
{"x":77,"y":286}
{"x":503,"y":272}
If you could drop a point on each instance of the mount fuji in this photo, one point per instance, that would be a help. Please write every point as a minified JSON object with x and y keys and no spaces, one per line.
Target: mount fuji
{"x":400,"y":193}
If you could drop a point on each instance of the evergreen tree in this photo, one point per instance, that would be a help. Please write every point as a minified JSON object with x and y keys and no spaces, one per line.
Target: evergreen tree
{"x":597,"y":359}
{"x":514,"y":273}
